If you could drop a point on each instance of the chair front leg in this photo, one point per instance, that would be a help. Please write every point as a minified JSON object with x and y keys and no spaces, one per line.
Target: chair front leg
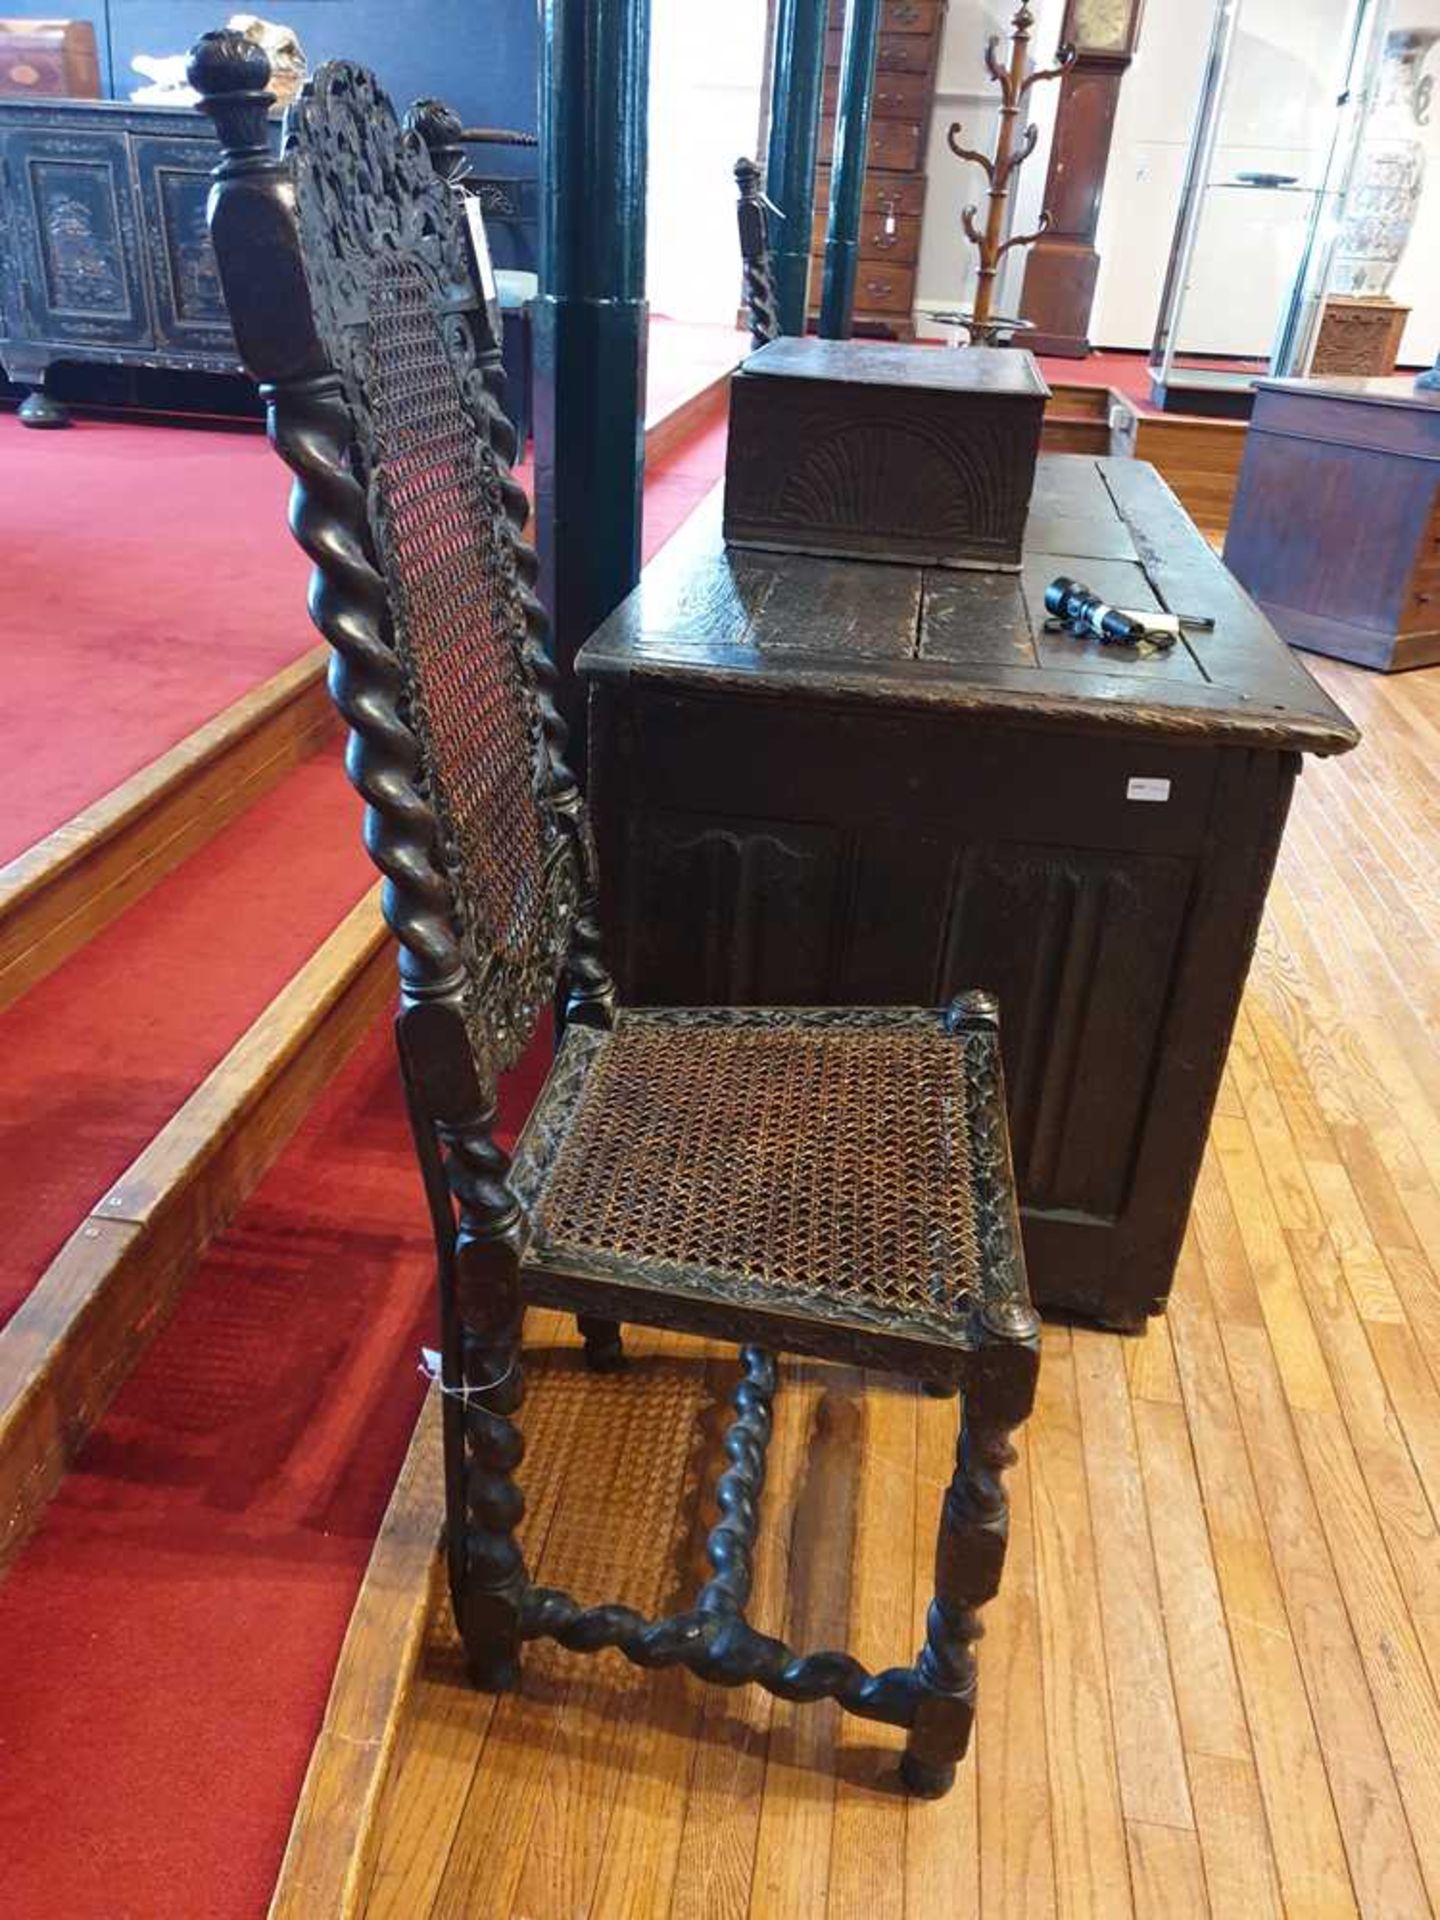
{"x":491,"y":1314}
{"x":495,"y":1578}
{"x":969,"y":1558}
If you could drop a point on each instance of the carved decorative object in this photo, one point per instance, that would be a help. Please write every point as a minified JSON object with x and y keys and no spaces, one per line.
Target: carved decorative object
{"x":1359,"y":334}
{"x":886,"y":452}
{"x":347,"y":272}
{"x":753,"y":217}
{"x":167,"y":84}
{"x":1012,"y":149}
{"x":1384,"y":196}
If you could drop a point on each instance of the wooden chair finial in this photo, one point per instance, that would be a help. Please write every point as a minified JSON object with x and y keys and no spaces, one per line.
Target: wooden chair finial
{"x":231,"y":74}
{"x":442,"y":130}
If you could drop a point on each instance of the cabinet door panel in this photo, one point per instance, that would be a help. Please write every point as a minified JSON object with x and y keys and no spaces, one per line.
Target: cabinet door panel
{"x":1081,"y":950}
{"x":73,"y":220}
{"x":731,"y":912}
{"x":174,"y":180}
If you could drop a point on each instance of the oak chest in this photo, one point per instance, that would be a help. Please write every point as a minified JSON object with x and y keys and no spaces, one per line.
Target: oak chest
{"x":838,"y":782}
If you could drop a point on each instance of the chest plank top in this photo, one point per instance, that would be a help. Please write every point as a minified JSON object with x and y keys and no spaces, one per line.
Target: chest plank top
{"x":890,"y":633}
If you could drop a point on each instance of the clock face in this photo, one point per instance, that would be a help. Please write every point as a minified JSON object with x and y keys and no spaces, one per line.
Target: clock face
{"x":1101,"y":26}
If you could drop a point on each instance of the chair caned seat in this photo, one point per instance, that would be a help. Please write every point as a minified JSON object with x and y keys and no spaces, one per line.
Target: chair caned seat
{"x":831,"y":1164}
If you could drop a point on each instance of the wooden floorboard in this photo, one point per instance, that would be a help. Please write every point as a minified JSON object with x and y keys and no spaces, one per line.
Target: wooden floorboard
{"x":1211,"y":1684}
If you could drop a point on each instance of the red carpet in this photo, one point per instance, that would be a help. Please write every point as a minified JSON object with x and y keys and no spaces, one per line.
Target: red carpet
{"x":100,"y":1054}
{"x":1127,"y":373}
{"x":167,"y":1639}
{"x":149,"y":581}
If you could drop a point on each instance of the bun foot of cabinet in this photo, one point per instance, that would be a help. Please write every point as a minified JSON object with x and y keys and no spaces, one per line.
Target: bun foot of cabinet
{"x":40,"y":411}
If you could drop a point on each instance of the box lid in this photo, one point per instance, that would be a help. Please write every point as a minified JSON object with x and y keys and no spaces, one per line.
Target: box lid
{"x":991,"y":370}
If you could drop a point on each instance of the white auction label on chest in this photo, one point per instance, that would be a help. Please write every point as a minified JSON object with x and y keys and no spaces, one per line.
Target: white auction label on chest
{"x":1141,"y":787}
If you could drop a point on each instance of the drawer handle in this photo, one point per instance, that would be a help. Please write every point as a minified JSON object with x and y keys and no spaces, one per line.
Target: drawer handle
{"x":905,"y":13}
{"x":880,"y":287}
{"x":883,"y":242}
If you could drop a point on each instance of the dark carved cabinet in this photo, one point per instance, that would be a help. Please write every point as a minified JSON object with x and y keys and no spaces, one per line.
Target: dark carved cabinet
{"x":820,"y":781}
{"x":104,"y":253}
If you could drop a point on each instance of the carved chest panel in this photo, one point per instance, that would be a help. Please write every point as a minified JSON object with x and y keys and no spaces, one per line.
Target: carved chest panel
{"x":836,"y":782}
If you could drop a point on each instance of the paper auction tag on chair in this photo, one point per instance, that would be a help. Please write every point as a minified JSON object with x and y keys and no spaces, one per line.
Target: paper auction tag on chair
{"x":480,"y":243}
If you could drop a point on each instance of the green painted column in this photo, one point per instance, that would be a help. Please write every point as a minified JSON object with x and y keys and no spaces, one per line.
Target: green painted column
{"x":797,"y":81}
{"x":590,"y":318}
{"x":847,"y":177}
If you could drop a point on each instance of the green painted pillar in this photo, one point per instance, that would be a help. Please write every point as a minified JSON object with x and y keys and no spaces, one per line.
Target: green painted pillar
{"x":797,"y":81}
{"x":590,"y":318}
{"x":847,"y":177}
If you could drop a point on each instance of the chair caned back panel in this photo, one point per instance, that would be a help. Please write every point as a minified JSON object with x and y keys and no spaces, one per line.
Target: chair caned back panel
{"x":393,"y":289}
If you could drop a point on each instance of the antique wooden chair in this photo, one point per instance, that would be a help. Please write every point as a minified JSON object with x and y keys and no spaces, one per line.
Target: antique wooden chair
{"x":752,"y":213}
{"x":831,"y":1183}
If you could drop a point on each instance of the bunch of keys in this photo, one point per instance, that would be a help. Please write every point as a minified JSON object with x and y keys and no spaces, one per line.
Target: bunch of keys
{"x":1075,"y":608}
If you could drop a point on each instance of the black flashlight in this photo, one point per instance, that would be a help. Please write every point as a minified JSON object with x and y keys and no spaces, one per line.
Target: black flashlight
{"x":1082,"y":610}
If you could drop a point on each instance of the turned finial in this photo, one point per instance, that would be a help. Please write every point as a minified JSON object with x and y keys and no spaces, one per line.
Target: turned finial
{"x":441,"y":128}
{"x":231,"y":74}
{"x":974,"y":1011}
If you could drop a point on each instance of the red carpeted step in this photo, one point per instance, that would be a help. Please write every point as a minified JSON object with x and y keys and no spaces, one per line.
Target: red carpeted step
{"x":100,"y":1054}
{"x":167,"y":1638}
{"x":149,"y":581}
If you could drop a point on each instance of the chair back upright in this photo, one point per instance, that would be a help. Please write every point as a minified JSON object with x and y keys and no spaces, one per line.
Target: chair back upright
{"x":352,"y":284}
{"x":752,"y":215}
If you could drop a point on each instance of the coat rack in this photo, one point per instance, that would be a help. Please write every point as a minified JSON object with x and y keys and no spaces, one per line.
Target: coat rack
{"x":984,"y":326}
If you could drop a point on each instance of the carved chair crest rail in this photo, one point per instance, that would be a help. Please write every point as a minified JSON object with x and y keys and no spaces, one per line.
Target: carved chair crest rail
{"x":834,"y":1182}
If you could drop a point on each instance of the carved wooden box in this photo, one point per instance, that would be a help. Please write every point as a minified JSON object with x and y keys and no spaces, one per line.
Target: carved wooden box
{"x":920,"y":454}
{"x":1358,"y":335}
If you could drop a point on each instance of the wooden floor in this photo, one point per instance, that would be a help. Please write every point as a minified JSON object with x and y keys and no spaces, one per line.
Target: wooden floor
{"x":1210,"y":1682}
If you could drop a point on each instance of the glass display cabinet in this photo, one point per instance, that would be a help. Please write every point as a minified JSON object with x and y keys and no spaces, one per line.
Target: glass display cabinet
{"x":1272,"y":159}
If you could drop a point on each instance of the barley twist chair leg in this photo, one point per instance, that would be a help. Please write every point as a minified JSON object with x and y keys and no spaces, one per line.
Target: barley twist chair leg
{"x":604,"y":1347}
{"x":969,"y":1557}
{"x":495,"y":1578}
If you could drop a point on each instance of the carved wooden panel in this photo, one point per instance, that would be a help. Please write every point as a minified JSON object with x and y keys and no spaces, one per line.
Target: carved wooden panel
{"x":733,"y":912}
{"x":1358,"y":336}
{"x":74,"y":231}
{"x":1081,"y":949}
{"x":174,"y":180}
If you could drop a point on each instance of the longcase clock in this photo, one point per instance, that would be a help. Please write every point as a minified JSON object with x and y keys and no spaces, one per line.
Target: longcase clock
{"x":1060,"y":273}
